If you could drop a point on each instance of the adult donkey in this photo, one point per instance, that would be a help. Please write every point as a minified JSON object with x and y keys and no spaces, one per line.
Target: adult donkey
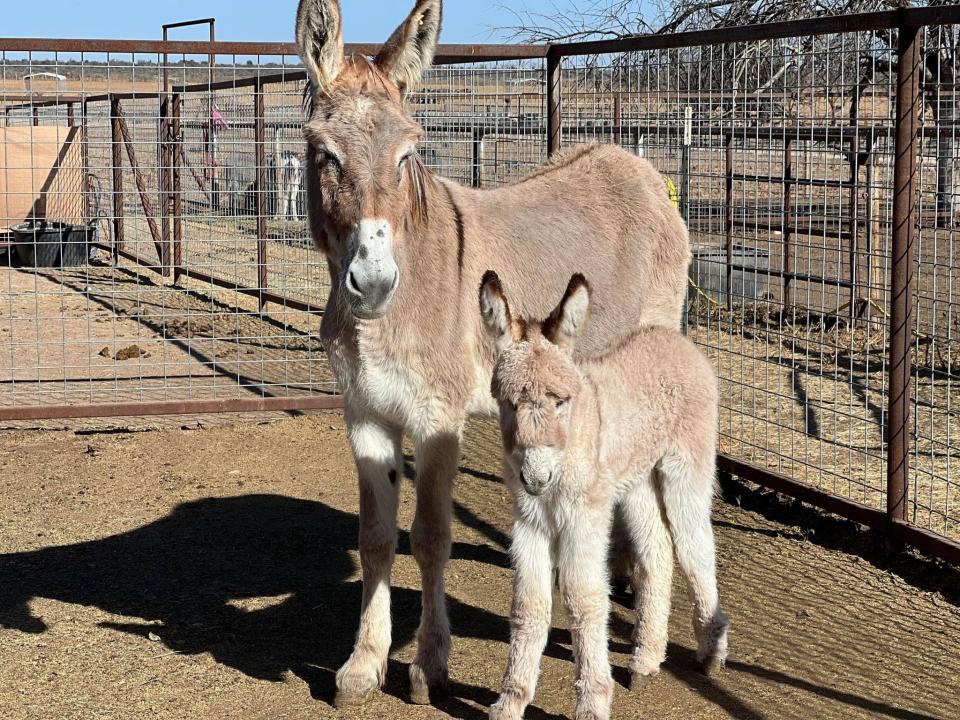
{"x":406,"y":252}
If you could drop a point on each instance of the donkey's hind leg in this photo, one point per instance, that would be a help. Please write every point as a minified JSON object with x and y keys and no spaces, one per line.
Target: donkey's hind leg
{"x":377,"y":451}
{"x":652,"y":578}
{"x":687,"y":492}
{"x":437,"y":459}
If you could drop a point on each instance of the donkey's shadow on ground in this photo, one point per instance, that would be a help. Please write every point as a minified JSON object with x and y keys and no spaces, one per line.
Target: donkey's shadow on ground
{"x":186,"y":574}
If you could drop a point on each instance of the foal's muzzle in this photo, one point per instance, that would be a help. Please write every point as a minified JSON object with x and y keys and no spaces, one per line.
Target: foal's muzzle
{"x":371,"y":278}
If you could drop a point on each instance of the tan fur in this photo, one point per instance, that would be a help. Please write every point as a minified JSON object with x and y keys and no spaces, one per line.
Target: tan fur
{"x":320,"y":38}
{"x":409,"y":51}
{"x":421,"y":367}
{"x":634,"y":427}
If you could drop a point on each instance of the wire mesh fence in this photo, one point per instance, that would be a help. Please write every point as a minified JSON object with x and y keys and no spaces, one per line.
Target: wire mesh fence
{"x":179,"y":172}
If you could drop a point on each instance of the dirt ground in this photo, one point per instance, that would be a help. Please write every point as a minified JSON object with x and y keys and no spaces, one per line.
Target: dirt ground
{"x":213,"y":574}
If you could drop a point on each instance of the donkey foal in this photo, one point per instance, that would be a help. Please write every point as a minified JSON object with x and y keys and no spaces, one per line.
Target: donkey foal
{"x":633,"y":430}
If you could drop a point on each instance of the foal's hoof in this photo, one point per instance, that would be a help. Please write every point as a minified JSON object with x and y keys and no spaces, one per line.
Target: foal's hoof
{"x":638,"y":681}
{"x":423,"y":690}
{"x":713,"y":665}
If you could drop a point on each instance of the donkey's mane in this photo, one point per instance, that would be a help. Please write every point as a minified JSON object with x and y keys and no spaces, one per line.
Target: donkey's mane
{"x":559,"y":162}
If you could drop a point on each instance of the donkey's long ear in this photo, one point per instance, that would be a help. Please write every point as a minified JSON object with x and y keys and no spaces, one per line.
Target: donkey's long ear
{"x":320,"y":39}
{"x":409,"y":52}
{"x":569,"y":317}
{"x":495,"y":309}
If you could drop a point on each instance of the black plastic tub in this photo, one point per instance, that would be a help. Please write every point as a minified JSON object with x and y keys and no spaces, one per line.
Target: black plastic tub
{"x":45,"y":244}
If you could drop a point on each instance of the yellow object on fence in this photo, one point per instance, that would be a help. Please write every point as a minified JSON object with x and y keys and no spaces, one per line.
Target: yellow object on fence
{"x":672,"y":191}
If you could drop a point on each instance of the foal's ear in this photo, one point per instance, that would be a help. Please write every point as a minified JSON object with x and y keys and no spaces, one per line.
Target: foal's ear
{"x":569,"y":317}
{"x":495,"y":309}
{"x":409,"y":52}
{"x":320,"y":39}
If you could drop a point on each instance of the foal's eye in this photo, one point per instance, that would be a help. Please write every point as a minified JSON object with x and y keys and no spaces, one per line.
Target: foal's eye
{"x":560,"y":403}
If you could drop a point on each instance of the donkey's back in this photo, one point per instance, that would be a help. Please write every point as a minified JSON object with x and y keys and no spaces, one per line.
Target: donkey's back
{"x":596,"y":210}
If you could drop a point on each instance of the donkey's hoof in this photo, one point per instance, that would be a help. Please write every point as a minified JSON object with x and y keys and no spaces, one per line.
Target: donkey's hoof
{"x":713,"y":665}
{"x":423,"y":690}
{"x":638,"y":681}
{"x":355,"y":686}
{"x":353,"y":698}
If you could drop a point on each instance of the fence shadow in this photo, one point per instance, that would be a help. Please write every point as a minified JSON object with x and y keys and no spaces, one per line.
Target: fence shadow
{"x":835,"y":533}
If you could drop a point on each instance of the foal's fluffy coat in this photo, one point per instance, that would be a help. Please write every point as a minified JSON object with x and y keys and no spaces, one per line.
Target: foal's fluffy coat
{"x":633,"y":430}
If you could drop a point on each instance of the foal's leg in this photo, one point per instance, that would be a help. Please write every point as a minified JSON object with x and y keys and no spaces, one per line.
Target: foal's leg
{"x":688,"y":488}
{"x":584,"y":583}
{"x":529,"y":619}
{"x":437,"y":459}
{"x":377,"y":451}
{"x":652,"y":578}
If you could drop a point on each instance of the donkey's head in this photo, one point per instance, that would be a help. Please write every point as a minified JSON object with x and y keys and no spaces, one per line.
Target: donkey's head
{"x":535,"y":379}
{"x":365,"y":181}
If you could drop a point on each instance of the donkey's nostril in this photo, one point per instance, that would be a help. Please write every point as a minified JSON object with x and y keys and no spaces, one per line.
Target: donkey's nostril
{"x":352,"y":283}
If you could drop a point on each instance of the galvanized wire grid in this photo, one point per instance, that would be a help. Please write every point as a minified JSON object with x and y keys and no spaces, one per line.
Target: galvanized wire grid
{"x":934,"y":491}
{"x":780,"y":154}
{"x":155,"y":307}
{"x":188,"y":177}
{"x":485,"y":123}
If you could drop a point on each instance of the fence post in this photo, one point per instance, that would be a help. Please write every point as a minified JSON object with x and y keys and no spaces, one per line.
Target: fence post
{"x":729,"y":222}
{"x":165,"y":182}
{"x":902,"y":264}
{"x":476,"y":157}
{"x":685,"y":163}
{"x":854,"y":226}
{"x":116,"y":143}
{"x":554,"y":76}
{"x":617,"y":120}
{"x":785,"y":229}
{"x":89,"y":211}
{"x":260,"y":142}
{"x":177,"y":140}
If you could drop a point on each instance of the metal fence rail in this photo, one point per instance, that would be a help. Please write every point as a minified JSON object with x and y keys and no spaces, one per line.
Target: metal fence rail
{"x":815,"y":162}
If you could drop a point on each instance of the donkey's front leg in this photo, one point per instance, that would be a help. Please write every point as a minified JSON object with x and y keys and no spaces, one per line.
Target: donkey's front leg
{"x":585,"y":586}
{"x":437,"y":459}
{"x":529,"y":618}
{"x":377,"y":451}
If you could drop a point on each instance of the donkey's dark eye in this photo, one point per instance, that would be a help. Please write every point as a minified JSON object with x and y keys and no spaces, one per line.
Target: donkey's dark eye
{"x":560,"y":403}
{"x":327,"y":160}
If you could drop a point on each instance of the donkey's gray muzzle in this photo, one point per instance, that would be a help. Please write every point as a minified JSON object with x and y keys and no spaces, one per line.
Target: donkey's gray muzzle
{"x":372,"y":277}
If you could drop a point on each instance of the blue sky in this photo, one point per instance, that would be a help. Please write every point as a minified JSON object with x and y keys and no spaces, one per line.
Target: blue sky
{"x":465,"y":21}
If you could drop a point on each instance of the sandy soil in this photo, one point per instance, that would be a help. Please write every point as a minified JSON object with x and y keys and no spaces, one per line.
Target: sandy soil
{"x":213,"y":574}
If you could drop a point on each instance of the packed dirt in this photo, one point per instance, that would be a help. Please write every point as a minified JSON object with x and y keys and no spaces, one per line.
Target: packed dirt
{"x":213,"y":573}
